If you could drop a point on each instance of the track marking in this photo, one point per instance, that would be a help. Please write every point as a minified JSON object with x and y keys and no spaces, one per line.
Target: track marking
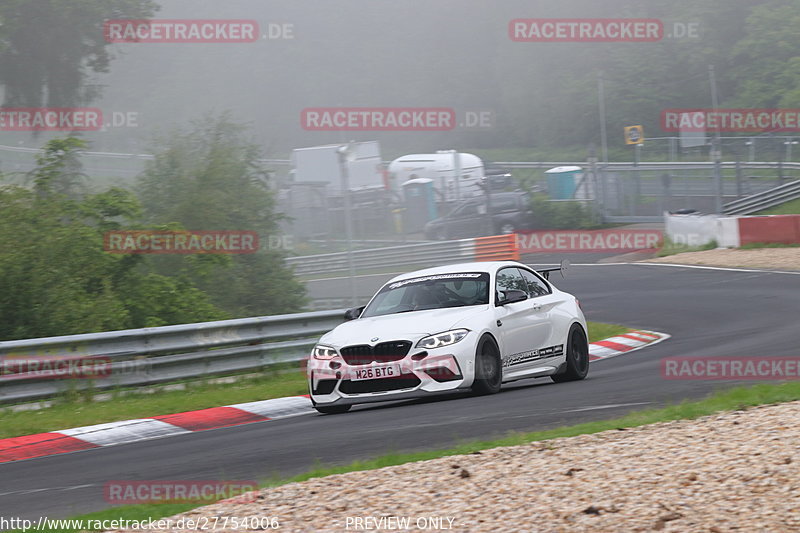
{"x":609,"y":406}
{"x":726,"y":269}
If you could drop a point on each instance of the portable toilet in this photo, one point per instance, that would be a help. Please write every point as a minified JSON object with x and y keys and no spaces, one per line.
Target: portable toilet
{"x":563,"y":181}
{"x":420,"y":204}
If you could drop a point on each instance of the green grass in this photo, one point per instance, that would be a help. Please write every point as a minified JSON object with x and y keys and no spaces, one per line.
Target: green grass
{"x":671,"y":248}
{"x":755,"y":245}
{"x":599,"y":331}
{"x":789,"y":208}
{"x":76,"y":410}
{"x":724,"y":400}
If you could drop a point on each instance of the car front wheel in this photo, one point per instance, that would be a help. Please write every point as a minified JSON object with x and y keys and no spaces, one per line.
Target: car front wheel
{"x":488,"y":367}
{"x":577,"y":364}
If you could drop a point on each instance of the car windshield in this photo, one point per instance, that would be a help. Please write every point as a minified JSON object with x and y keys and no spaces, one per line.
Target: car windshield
{"x":436,"y":291}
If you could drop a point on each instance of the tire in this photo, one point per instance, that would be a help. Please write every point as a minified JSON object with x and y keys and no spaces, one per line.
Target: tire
{"x":332,"y":409}
{"x":577,"y":364}
{"x":441,"y":234}
{"x":488,"y":367}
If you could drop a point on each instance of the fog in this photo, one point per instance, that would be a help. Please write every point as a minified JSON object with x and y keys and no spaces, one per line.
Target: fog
{"x":365,"y":53}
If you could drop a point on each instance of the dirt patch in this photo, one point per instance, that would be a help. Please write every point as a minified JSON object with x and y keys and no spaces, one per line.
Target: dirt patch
{"x":770,"y":258}
{"x":734,"y":471}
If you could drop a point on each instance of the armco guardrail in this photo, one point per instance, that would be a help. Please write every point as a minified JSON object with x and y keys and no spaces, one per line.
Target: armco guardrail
{"x":763,"y":200}
{"x":499,"y":247}
{"x":145,"y":356}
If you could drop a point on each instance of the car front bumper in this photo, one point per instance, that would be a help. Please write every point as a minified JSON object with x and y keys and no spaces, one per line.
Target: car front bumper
{"x":422,"y":373}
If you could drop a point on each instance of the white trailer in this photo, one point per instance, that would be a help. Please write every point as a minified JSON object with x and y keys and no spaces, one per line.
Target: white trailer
{"x":323,"y":164}
{"x":440,"y":167}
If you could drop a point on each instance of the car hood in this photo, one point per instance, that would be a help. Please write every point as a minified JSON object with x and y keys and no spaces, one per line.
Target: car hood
{"x":410,"y":325}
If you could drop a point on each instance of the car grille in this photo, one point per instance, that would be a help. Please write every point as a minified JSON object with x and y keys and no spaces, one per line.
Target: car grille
{"x":364,"y":354}
{"x":403,"y":381}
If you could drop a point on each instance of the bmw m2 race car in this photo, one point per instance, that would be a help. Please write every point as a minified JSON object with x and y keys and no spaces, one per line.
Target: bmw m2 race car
{"x":464,"y":327}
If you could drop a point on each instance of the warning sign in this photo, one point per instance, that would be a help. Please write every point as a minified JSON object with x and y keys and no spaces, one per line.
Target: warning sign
{"x":634,"y":135}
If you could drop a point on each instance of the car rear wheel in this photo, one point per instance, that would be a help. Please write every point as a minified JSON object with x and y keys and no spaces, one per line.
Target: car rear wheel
{"x":332,"y":409}
{"x":488,"y":367}
{"x":577,"y":364}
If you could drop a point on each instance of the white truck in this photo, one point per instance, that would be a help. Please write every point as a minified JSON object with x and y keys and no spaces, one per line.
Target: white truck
{"x":441,"y":167}
{"x":324,"y":164}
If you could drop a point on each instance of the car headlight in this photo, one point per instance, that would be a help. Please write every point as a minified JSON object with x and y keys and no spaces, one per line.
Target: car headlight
{"x":321,"y":351}
{"x":442,"y":339}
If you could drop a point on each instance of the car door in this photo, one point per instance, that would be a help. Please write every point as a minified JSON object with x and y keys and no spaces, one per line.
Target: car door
{"x":523,"y":328}
{"x":543,"y":304}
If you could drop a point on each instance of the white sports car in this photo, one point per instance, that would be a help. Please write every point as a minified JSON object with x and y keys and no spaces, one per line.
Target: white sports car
{"x":470,"y":326}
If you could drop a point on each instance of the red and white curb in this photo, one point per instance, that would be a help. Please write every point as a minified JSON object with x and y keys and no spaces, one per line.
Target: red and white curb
{"x":127,"y":431}
{"x":627,"y":342}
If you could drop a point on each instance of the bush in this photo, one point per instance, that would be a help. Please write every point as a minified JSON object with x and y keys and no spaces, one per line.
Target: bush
{"x":548,"y":214}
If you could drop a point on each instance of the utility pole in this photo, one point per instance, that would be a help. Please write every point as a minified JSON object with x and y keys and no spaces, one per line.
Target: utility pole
{"x":716,"y":146}
{"x":601,"y":104}
{"x":345,"y":153}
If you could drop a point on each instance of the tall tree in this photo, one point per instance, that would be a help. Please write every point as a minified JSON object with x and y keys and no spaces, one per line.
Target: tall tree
{"x":210,"y":179}
{"x":49,"y":48}
{"x":55,"y":277}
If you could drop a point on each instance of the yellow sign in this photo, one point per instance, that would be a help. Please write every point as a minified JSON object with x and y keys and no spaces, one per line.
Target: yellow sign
{"x":634,"y":135}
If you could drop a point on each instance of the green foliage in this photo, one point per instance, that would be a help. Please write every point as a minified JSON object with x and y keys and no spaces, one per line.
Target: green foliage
{"x":767,"y":68}
{"x":548,"y":214}
{"x":210,"y":179}
{"x":791,"y":207}
{"x":48,"y":48}
{"x":55,"y":277}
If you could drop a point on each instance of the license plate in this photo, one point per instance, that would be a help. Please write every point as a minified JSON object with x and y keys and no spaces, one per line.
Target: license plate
{"x":376,"y":372}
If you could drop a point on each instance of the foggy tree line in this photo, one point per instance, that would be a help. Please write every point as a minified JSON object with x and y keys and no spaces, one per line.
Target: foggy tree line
{"x":544,"y":96}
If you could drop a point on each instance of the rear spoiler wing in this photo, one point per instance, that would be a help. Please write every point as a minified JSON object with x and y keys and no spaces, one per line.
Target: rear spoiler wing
{"x":562,"y":268}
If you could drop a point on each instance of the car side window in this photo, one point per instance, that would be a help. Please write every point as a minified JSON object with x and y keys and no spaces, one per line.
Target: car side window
{"x":536,"y":287}
{"x":467,"y":210}
{"x":509,"y":279}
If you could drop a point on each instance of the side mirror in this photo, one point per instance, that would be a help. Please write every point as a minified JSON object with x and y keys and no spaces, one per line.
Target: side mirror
{"x":355,"y":312}
{"x":512,"y":296}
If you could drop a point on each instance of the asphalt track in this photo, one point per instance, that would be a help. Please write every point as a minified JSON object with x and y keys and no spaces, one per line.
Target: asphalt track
{"x":707,"y":312}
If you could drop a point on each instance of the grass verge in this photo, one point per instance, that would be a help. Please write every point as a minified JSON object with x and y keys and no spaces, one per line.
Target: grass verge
{"x":757,"y":245}
{"x":725,"y":400}
{"x":789,"y":208}
{"x":671,"y":248}
{"x":78,"y":410}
